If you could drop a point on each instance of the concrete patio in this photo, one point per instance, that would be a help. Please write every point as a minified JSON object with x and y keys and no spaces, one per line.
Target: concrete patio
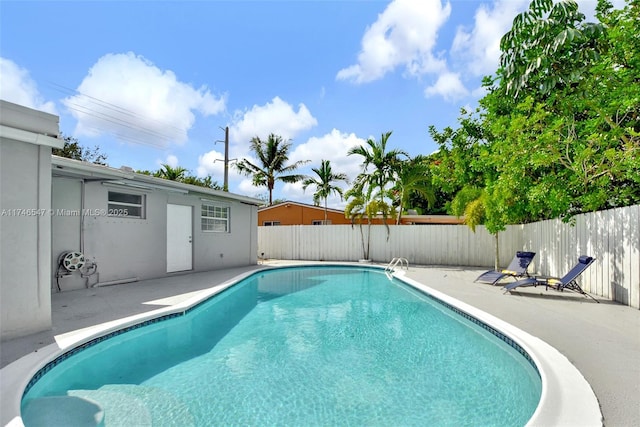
{"x":601,"y":340}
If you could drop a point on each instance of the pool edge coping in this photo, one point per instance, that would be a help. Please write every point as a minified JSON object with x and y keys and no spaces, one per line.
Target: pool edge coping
{"x":567,"y":398}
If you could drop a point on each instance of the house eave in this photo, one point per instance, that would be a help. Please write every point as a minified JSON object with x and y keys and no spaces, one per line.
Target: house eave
{"x":64,"y":167}
{"x":8,"y":132}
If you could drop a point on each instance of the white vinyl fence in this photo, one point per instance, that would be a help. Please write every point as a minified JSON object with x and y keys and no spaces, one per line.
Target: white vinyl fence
{"x":612,"y":237}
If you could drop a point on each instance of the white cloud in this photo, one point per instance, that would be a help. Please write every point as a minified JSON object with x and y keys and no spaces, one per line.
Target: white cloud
{"x":17,"y":86}
{"x":333,"y":147}
{"x":212,"y":163}
{"x":479,"y":48}
{"x":128,"y":96}
{"x":247,"y":187}
{"x":448,"y":86}
{"x":172,"y":161}
{"x":276,"y":117}
{"x":404,"y":35}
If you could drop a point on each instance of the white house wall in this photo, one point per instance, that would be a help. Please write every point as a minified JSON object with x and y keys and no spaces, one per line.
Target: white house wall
{"x":223,"y":250}
{"x":25,"y":226}
{"x":127,"y":249}
{"x":65,"y":229}
{"x":26,"y":303}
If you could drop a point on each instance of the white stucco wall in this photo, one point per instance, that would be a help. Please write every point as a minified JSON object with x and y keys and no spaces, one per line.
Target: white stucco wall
{"x":136,"y":249}
{"x":25,"y":225}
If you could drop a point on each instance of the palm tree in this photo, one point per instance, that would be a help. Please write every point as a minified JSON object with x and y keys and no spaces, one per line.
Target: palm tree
{"x":379,"y":167}
{"x":356,"y":210}
{"x":413,"y":178}
{"x":272,"y":155}
{"x":323,"y":183}
{"x":360,"y":206}
{"x":171,"y":173}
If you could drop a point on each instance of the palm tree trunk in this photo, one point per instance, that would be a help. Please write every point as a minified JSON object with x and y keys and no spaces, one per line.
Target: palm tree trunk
{"x":399,"y":218}
{"x":325,"y":211}
{"x":366,"y":254}
{"x":364,"y":249}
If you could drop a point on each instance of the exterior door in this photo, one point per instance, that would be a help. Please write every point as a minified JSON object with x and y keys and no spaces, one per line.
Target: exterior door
{"x":179,"y":238}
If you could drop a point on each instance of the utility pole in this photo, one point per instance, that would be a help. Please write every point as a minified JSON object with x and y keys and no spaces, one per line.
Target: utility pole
{"x":226,"y":159}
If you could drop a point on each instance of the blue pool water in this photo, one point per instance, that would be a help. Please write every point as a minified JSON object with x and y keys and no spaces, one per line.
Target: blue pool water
{"x":298,"y":346}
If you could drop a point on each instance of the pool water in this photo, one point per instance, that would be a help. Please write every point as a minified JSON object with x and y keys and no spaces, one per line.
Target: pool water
{"x":301,"y":346}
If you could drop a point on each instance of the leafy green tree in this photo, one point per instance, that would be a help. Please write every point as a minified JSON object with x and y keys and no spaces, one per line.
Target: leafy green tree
{"x":379,"y":168}
{"x":549,"y":47}
{"x":272,"y":155}
{"x":207,"y":182}
{"x":469,"y":202}
{"x":325,"y":177}
{"x":181,"y":174}
{"x":413,"y":177}
{"x":573,"y":101}
{"x":459,"y":161}
{"x":463,"y":168}
{"x":73,"y":150}
{"x":557,"y":133}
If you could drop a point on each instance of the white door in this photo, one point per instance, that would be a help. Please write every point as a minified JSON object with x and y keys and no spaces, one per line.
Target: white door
{"x":179,"y":238}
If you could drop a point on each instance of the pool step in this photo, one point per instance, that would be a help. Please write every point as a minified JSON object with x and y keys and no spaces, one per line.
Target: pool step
{"x":120,"y":405}
{"x":62,"y":411}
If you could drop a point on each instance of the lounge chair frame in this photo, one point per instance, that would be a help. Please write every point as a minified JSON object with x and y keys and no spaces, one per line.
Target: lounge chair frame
{"x":567,"y":282}
{"x":518,"y":267}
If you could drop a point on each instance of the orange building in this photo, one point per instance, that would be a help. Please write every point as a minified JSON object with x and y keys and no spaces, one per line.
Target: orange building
{"x":294,"y":213}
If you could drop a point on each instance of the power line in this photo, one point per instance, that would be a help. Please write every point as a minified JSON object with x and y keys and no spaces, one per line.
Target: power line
{"x":118,"y":115}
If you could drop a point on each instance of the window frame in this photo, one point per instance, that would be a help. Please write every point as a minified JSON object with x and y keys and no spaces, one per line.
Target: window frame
{"x":116,"y":209}
{"x":213,"y":218}
{"x":320,"y":222}
{"x":270,"y":223}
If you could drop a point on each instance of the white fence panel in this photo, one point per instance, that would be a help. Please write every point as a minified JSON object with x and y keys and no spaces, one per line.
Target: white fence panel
{"x":420,"y":244}
{"x":612,"y":237}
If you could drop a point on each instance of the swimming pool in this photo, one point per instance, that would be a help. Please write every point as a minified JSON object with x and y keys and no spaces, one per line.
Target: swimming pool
{"x":317,"y":346}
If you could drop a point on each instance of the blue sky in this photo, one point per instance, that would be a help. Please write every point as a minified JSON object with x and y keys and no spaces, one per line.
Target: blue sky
{"x":155,"y":82}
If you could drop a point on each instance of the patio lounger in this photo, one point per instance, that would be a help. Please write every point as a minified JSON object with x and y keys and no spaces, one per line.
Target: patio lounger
{"x":567,"y":282}
{"x":517,"y":268}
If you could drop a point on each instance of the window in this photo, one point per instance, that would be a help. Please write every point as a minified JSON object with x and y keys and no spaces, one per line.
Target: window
{"x":321,"y":222}
{"x":215,"y":218}
{"x":270,"y":223}
{"x":125,"y":205}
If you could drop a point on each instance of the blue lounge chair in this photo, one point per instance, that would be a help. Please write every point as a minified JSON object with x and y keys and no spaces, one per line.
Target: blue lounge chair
{"x":517,"y":268}
{"x":567,"y":282}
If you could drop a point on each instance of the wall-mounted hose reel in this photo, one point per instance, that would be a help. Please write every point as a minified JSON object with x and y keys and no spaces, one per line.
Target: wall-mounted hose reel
{"x":72,"y":261}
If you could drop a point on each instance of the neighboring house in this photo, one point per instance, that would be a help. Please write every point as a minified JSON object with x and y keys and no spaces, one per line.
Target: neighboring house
{"x":294,"y":213}
{"x":68,"y":224}
{"x":431,"y":219}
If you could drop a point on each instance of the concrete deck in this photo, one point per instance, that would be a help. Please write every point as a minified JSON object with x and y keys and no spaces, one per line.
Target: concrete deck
{"x":601,"y":340}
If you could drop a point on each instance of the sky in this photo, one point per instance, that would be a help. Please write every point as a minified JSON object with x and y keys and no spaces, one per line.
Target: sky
{"x":157,"y":82}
